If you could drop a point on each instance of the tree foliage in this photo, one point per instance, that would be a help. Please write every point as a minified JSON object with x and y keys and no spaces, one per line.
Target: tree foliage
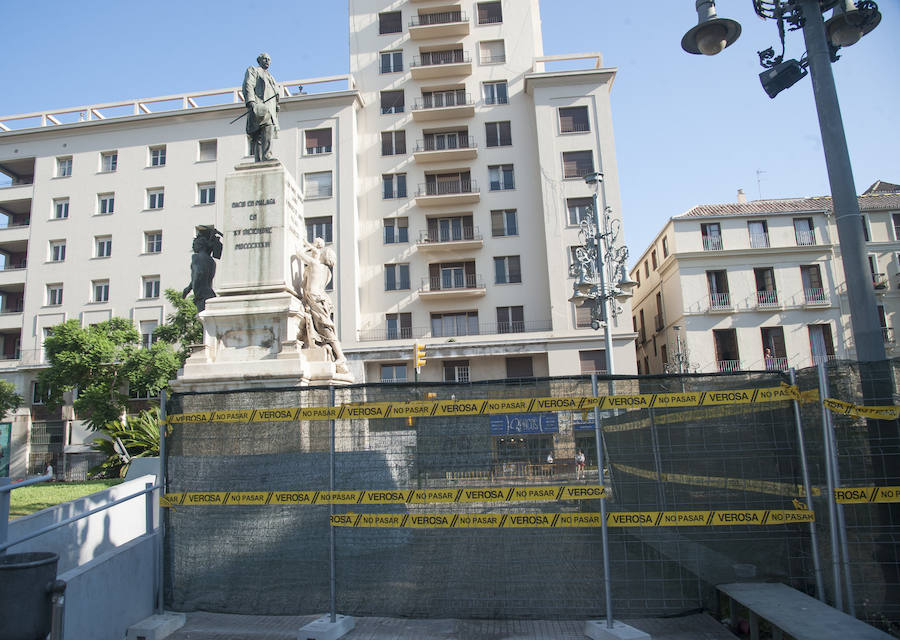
{"x":9,"y":399}
{"x":138,"y":437}
{"x":182,"y":327}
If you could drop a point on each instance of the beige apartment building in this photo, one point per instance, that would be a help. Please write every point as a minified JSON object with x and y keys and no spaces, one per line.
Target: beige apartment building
{"x":446,"y":169}
{"x":759,"y":285}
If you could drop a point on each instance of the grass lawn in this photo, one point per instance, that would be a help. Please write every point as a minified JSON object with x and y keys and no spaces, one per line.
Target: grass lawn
{"x":46,"y":494}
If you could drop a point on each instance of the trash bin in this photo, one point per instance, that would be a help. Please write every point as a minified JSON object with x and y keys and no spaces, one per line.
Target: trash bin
{"x":25,"y":581}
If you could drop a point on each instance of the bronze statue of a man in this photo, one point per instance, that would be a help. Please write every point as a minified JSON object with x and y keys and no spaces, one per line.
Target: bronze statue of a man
{"x":261,"y":95}
{"x":206,"y":246}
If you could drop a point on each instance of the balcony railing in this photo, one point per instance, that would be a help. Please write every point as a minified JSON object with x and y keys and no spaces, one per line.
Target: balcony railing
{"x":728,"y":366}
{"x":759,"y":240}
{"x":767,"y":298}
{"x":443,"y":99}
{"x":312,"y":151}
{"x":887,"y":333}
{"x":712,"y":243}
{"x":483,"y":329}
{"x":879,"y":281}
{"x":456,"y":56}
{"x":447,"y":188}
{"x":12,"y":266}
{"x":443,"y":144}
{"x":436,"y":236}
{"x":815,"y":296}
{"x":805,"y":238}
{"x":720,"y":300}
{"x":452,"y":283}
{"x":14,"y":225}
{"x":823,"y":358}
{"x":577,"y":127}
{"x":444,"y":17}
{"x":776,"y":364}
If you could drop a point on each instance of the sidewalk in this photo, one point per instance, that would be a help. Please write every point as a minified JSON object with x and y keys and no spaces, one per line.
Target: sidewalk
{"x":220,"y":626}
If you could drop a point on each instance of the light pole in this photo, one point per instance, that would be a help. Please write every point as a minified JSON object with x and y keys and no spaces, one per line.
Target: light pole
{"x":599,"y":269}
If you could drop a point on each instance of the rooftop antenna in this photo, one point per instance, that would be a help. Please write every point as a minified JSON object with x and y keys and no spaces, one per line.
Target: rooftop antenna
{"x":759,"y":173}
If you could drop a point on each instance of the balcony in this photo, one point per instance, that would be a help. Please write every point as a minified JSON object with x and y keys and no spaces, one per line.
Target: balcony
{"x":776,"y":364}
{"x":442,"y":240}
{"x":728,"y":366}
{"x":12,"y":274}
{"x":428,"y":150}
{"x":443,"y":105}
{"x":483,"y":329}
{"x":454,"y":192}
{"x":712,"y":243}
{"x":441,"y":64}
{"x":767,"y":299}
{"x":466,"y":286}
{"x":823,"y":358}
{"x":446,"y":24}
{"x":11,"y":319}
{"x":720,"y":302}
{"x":887,"y":334}
{"x":759,"y":240}
{"x":805,"y":238}
{"x":815,"y":298}
{"x":15,"y":232}
{"x":879,"y":281}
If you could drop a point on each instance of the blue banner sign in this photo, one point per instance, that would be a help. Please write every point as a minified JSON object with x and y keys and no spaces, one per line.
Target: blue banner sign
{"x":524,"y":423}
{"x":584,"y":426}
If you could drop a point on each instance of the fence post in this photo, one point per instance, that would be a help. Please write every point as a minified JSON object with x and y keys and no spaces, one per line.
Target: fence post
{"x":657,"y":462}
{"x":607,"y":581}
{"x":804,"y":468}
{"x":4,"y":514}
{"x":333,"y":618}
{"x":161,"y":483}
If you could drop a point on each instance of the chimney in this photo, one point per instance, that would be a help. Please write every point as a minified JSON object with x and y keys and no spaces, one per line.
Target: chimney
{"x":742,"y":199}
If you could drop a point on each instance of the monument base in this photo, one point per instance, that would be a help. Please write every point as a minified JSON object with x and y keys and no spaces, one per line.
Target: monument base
{"x":250,"y":341}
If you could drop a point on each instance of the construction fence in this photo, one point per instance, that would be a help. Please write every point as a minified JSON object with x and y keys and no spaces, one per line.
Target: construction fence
{"x":468,"y":500}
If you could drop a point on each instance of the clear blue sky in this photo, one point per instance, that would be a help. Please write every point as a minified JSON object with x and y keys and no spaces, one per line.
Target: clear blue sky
{"x":688,"y":129}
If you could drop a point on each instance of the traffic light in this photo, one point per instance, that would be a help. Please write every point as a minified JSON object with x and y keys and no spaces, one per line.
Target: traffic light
{"x":420,"y":356}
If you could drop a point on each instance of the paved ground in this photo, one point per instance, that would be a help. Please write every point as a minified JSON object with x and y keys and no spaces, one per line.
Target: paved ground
{"x":218,"y":626}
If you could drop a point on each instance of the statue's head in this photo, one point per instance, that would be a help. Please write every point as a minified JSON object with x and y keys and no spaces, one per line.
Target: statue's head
{"x":264,"y":60}
{"x":318,"y":243}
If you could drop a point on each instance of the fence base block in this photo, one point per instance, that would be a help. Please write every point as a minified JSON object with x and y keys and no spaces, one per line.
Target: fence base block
{"x":597,"y":630}
{"x":324,"y":629}
{"x":156,"y":627}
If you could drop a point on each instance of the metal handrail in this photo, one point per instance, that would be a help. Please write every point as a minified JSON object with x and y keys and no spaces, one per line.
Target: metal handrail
{"x":447,"y":188}
{"x":443,"y":99}
{"x":759,"y":240}
{"x":767,"y":298}
{"x":712,"y":243}
{"x":719,"y":300}
{"x":436,"y":236}
{"x":443,"y":17}
{"x":456,"y":56}
{"x":436,"y":283}
{"x":486,"y":328}
{"x":815,"y":295}
{"x":462,"y":142}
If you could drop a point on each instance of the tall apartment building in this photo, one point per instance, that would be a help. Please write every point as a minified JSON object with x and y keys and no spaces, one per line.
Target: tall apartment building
{"x":760,"y":285}
{"x":446,"y":168}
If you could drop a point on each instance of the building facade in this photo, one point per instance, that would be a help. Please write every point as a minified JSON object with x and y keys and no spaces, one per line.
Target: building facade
{"x":760,"y":285}
{"x":446,"y":168}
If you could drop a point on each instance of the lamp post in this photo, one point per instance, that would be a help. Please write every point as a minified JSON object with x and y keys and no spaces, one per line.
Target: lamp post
{"x":599,"y":269}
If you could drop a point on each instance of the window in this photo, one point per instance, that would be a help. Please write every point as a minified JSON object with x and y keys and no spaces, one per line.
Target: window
{"x":109,"y":161}
{"x":773,"y":348}
{"x":148,"y":329}
{"x":317,"y":185}
{"x":102,"y":246}
{"x":456,"y":371}
{"x":106,"y":203}
{"x":504,"y":222}
{"x":57,"y":250}
{"x":399,"y":325}
{"x":665,"y":245}
{"x":396,"y":277}
{"x":593,"y":361}
{"x":448,"y":325}
{"x":442,"y":56}
{"x":578,"y":208}
{"x":510,"y":319}
{"x":453,"y":275}
{"x":573,"y":120}
{"x":155,"y":198}
{"x":646,"y":269}
{"x":392,"y":101}
{"x":759,"y":234}
{"x":158,"y":156}
{"x":813,"y":288}
{"x":40,"y":393}
{"x":396,"y":230}
{"x":390,"y":22}
{"x":583,"y":317}
{"x":491,"y":52}
{"x":393,"y":373}
{"x":712,"y":236}
{"x":498,"y":134}
{"x":653,"y":259}
{"x":317,"y":141}
{"x":865,"y":226}
{"x":61,"y":208}
{"x":150,"y":286}
{"x":501,"y":177}
{"x":319,"y":228}
{"x":438,"y":99}
{"x":496,"y":92}
{"x":393,"y":143}
{"x":64,"y":167}
{"x":153,"y":241}
{"x":450,"y":229}
{"x":821,"y":345}
{"x":101,"y":290}
{"x":519,"y":367}
{"x":207,"y":150}
{"x":577,"y":164}
{"x":54,"y":294}
{"x":766,"y":292}
{"x":391,"y":61}
{"x":717,"y":282}
{"x":446,"y":140}
{"x":206,"y":193}
{"x":507,"y":270}
{"x":394,"y":185}
{"x":489,"y":13}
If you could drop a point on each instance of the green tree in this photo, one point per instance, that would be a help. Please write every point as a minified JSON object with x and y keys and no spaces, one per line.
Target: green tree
{"x":9,"y":399}
{"x":182,"y":327}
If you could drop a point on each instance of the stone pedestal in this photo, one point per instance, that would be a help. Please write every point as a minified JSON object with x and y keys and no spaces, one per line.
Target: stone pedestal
{"x":250,"y":329}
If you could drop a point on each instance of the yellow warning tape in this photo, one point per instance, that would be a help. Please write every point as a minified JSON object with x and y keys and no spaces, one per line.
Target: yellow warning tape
{"x":721,"y":482}
{"x":386,"y":496}
{"x":855,"y":495}
{"x":470,"y":407}
{"x":564,"y":520}
{"x":849,"y":409}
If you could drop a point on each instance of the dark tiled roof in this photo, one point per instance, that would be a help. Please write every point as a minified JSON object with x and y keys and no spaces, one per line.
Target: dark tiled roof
{"x":880,"y":186}
{"x":867,"y":202}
